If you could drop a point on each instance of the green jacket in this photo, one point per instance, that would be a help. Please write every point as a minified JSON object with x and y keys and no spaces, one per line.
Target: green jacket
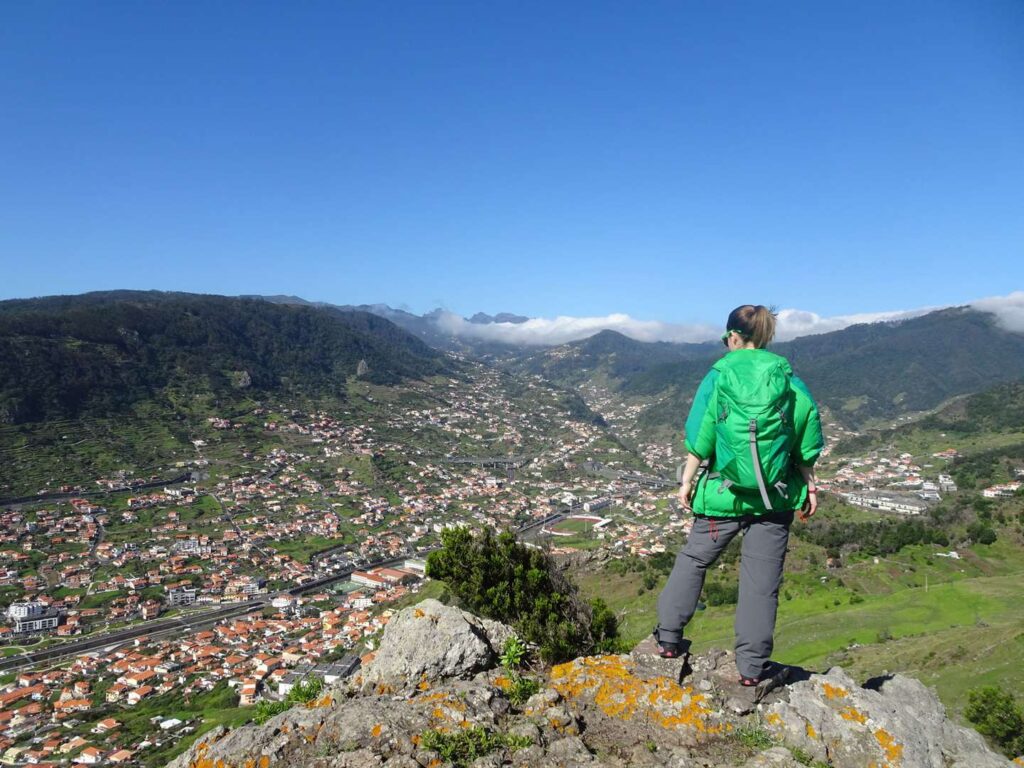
{"x":710,"y":497}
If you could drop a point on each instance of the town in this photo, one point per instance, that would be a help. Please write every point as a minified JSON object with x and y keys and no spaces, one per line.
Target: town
{"x":259,"y":571}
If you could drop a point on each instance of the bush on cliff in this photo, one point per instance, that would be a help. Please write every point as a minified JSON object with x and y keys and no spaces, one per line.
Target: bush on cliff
{"x":502,"y":579}
{"x":996,"y":714}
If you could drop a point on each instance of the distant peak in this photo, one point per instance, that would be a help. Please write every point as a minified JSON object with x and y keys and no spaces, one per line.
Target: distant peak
{"x":482,"y":318}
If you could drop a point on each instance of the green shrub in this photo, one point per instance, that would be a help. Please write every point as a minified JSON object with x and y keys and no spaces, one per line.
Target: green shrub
{"x":500,"y":578}
{"x":719,"y":593}
{"x":996,"y":714}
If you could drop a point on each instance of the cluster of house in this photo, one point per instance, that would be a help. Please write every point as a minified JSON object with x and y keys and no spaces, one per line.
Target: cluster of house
{"x":45,"y":716}
{"x":163,"y":551}
{"x":1002,"y":490}
{"x":890,"y":483}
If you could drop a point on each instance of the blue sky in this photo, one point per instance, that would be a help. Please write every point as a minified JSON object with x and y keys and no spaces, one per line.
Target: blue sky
{"x":664,"y":160}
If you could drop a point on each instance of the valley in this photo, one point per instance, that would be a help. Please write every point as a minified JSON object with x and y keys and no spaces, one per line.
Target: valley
{"x":272,"y":521}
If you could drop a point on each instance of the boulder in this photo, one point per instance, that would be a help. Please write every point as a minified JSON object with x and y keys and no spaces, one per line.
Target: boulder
{"x":432,"y":641}
{"x":895,"y":722}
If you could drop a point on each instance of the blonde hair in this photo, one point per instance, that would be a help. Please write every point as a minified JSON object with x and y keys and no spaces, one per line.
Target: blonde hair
{"x":754,"y":322}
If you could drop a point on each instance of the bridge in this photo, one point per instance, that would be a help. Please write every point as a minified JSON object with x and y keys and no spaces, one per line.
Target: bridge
{"x":503,"y":462}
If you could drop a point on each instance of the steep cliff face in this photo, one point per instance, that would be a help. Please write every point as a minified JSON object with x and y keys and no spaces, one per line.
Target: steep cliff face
{"x":434,"y":696}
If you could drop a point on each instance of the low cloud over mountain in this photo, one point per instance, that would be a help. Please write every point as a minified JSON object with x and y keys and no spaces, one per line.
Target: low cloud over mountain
{"x":793,"y":323}
{"x":1008,"y":309}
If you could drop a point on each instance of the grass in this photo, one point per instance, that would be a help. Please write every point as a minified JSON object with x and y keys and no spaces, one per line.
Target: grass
{"x":303,"y":549}
{"x":430,"y":589}
{"x":573,"y":526}
{"x":953,"y":624}
{"x":216,"y":707}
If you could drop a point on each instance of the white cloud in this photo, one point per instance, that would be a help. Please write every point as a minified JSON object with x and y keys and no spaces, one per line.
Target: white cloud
{"x":792,"y":323}
{"x":1009,"y":310}
{"x":559,"y":330}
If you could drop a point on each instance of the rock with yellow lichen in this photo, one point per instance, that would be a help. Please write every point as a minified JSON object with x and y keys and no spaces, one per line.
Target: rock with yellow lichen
{"x":438,"y":696}
{"x":432,"y":641}
{"x":894,"y":722}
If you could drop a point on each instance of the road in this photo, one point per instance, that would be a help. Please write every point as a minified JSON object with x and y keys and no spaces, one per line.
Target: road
{"x":84,"y":494}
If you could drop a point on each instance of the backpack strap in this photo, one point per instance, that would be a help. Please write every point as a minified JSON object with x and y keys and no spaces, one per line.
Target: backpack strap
{"x":757,"y":466}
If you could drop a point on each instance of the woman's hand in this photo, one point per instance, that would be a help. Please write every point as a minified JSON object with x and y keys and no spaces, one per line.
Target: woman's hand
{"x":685,"y":494}
{"x":810,"y":506}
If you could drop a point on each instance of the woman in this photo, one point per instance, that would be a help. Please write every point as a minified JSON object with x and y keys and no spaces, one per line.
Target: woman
{"x":756,"y":431}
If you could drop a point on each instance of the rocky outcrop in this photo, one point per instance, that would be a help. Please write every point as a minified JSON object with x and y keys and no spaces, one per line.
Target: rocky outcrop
{"x":433,"y":696}
{"x":897,"y":721}
{"x":433,"y":641}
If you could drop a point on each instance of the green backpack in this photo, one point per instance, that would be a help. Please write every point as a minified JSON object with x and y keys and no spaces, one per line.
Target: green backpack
{"x":754,"y":432}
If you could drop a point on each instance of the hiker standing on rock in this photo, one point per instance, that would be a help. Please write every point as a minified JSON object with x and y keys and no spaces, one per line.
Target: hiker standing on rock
{"x":752,"y":437}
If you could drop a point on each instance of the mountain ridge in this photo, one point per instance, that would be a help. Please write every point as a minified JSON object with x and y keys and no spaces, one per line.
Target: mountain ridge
{"x":95,"y":353}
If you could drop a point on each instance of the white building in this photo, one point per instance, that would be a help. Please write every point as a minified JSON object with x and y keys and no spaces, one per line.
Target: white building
{"x":32,"y":617}
{"x":182,"y":596}
{"x":902,"y":504}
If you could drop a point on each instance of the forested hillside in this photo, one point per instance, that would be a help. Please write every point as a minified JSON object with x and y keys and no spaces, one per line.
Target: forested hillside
{"x":73,"y":356}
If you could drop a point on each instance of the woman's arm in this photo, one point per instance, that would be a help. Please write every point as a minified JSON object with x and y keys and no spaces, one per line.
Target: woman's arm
{"x":686,"y":489}
{"x":811,"y":505}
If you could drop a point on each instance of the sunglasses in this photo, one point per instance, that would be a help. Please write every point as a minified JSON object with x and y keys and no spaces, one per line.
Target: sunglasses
{"x":727,"y":334}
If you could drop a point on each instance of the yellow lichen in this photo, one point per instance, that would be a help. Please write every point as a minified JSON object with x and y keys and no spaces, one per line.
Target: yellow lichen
{"x":774,"y":719}
{"x":418,"y":613}
{"x":325,"y":701}
{"x":264,"y":761}
{"x":893,"y":749}
{"x":811,"y":733}
{"x":376,"y":731}
{"x":834,"y":691}
{"x":853,"y":715}
{"x":618,"y":693}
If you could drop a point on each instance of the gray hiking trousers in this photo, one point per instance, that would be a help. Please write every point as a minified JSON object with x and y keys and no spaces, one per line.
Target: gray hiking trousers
{"x":761,"y":557}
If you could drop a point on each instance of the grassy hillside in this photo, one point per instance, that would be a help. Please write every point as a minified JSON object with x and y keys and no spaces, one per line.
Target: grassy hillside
{"x":954,"y":623}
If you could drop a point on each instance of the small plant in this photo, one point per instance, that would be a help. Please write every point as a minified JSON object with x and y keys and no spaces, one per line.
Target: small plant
{"x":513,"y":653}
{"x":755,"y":737}
{"x":804,"y":758}
{"x":302,"y":692}
{"x":305,"y":691}
{"x":267,"y":709}
{"x":463,"y":747}
{"x":521,"y":689}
